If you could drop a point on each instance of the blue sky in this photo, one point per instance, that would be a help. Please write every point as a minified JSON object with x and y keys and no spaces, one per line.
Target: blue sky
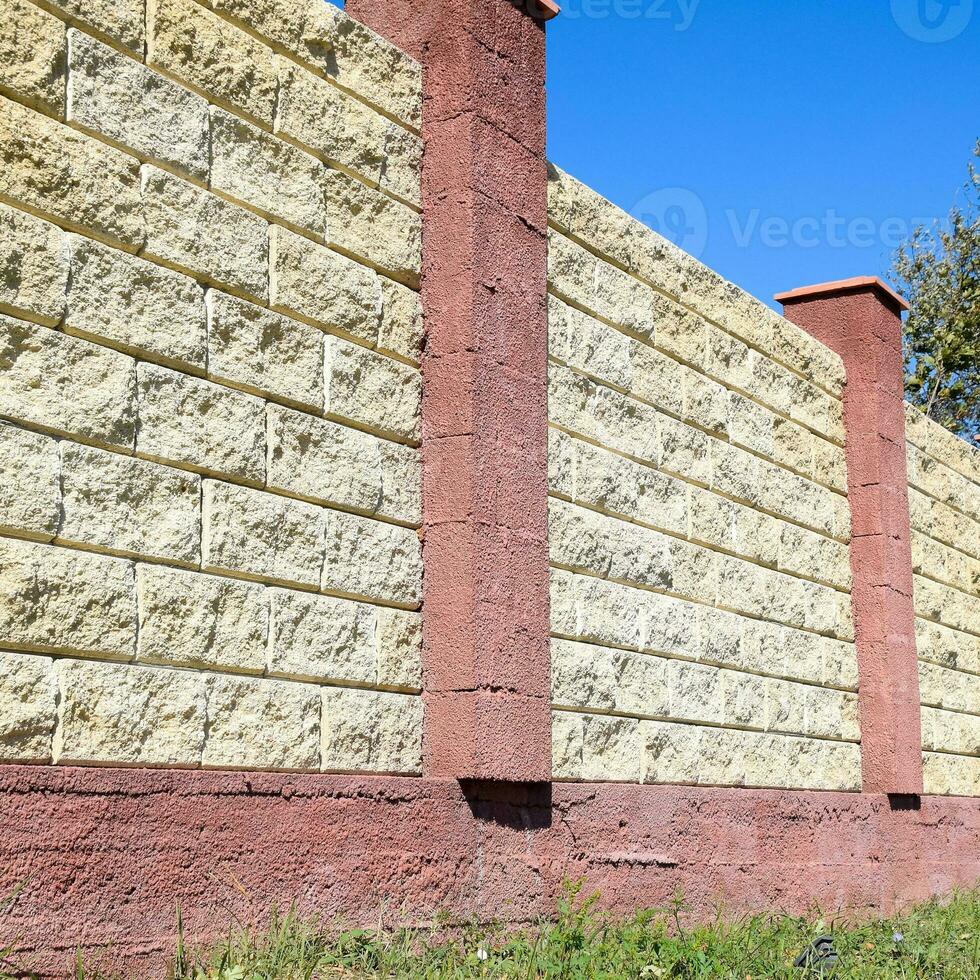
{"x":785,"y":142}
{"x":812,"y":132}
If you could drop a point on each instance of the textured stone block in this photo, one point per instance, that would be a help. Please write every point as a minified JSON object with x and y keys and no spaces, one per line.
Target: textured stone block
{"x":264,"y":352}
{"x":584,"y":675}
{"x":323,"y":287}
{"x":368,"y":731}
{"x":365,"y":63}
{"x":62,"y":601}
{"x":744,"y":700}
{"x":706,"y":403}
{"x":268,"y":174}
{"x":583,"y":342}
{"x":135,"y":305}
{"x":344,"y":130}
{"x":369,"y":224}
{"x":951,"y":775}
{"x":368,"y":558}
{"x":129,"y":506}
{"x":561,"y":457}
{"x":68,"y":176}
{"x":400,"y":330}
{"x":696,"y":692}
{"x":218,"y":59}
{"x":138,"y":716}
{"x":398,"y":641}
{"x":33,"y":267}
{"x":66,"y":385}
{"x":121,"y":20}
{"x":30,"y":489}
{"x":206,"y":426}
{"x":658,"y":378}
{"x":261,"y":724}
{"x":671,"y":753}
{"x":814,"y":556}
{"x":323,"y":461}
{"x":28,"y":708}
{"x":123,"y":102}
{"x":203,"y":235}
{"x":32,"y":55}
{"x":372,"y":390}
{"x":319,"y":638}
{"x":401,"y":483}
{"x":259,"y":535}
{"x":191,"y":620}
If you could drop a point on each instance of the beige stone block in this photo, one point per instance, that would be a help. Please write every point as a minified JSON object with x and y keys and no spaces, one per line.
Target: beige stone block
{"x":794,"y":446}
{"x":670,"y":753}
{"x":128,"y":506}
{"x":795,"y":347}
{"x":203,"y":235}
{"x":373,"y":560}
{"x":191,"y":620}
{"x":28,"y":708}
{"x":30,"y":487}
{"x":401,"y":327}
{"x":32,"y":55}
{"x":323,"y":461}
{"x":371,"y":390}
{"x":580,"y":539}
{"x":60,"y":601}
{"x":259,"y":535}
{"x":398,"y":642}
{"x":282,"y":22}
{"x":693,"y":571}
{"x":119,"y":20}
{"x":669,"y":626}
{"x":579,"y":340}
{"x":684,"y":450}
{"x":323,"y":287}
{"x":642,"y":687}
{"x":206,"y":426}
{"x":744,"y":699}
{"x":805,"y":553}
{"x":319,"y":638}
{"x":123,"y":102}
{"x":657,"y":378}
{"x":66,"y":385}
{"x":840,"y":667}
{"x":606,"y":613}
{"x":720,"y":638}
{"x":610,"y":749}
{"x":566,"y":745}
{"x":33,"y":267}
{"x":365,"y":63}
{"x":345,"y":131}
{"x":735,"y":473}
{"x":750,"y":425}
{"x":682,"y":334}
{"x":373,"y":226}
{"x":832,"y":714}
{"x":65,"y":175}
{"x":951,"y":775}
{"x":214,"y":57}
{"x":727,"y":359}
{"x":706,"y":403}
{"x":139,"y":307}
{"x":584,"y":675}
{"x":696,"y":692}
{"x":116,"y":714}
{"x":261,"y":724}
{"x":268,"y":174}
{"x":561,"y":456}
{"x":263,"y":352}
{"x":401,"y":483}
{"x":561,"y":587}
{"x":371,"y":731}
{"x":829,"y":465}
{"x":785,"y":707}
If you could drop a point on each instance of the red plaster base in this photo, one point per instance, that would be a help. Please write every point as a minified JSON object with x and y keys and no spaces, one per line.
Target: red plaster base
{"x":107,"y":854}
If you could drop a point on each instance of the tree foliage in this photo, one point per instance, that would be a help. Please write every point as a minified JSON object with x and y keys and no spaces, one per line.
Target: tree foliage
{"x":938,"y":272}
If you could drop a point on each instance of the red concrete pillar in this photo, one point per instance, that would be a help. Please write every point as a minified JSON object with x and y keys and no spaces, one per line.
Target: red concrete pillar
{"x":860,"y":319}
{"x":486,"y":662}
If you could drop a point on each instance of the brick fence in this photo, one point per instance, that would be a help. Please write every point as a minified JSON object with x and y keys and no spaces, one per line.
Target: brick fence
{"x":389,"y":522}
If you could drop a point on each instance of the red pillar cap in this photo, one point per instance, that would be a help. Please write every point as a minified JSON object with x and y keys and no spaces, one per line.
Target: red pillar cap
{"x":840,"y":287}
{"x":546,"y":9}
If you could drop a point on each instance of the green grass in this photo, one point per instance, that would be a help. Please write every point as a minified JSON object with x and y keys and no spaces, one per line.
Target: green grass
{"x":939,"y":940}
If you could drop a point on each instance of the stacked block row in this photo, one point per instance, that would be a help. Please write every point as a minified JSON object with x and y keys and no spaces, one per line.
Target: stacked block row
{"x":944,"y":502}
{"x":210,"y":336}
{"x":699,"y":522}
